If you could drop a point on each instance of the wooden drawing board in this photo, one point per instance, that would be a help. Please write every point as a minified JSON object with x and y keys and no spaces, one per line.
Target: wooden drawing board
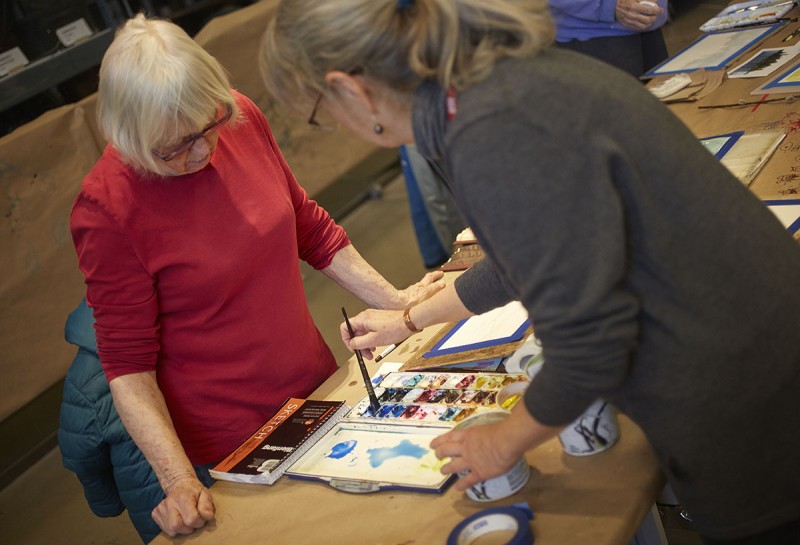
{"x":417,"y":362}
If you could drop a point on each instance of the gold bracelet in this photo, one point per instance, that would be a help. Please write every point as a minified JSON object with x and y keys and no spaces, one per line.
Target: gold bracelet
{"x":409,"y":324}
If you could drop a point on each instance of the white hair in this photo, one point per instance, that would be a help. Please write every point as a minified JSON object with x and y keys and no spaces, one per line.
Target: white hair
{"x":156,"y":85}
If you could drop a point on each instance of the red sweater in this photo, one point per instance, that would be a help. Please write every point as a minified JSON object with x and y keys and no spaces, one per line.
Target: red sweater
{"x":197,"y":277}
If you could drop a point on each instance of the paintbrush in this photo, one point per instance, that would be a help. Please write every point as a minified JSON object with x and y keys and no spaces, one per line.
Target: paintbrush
{"x":374,"y":404}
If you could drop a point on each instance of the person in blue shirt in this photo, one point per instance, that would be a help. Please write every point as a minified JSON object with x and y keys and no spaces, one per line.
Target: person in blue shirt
{"x":623,"y":33}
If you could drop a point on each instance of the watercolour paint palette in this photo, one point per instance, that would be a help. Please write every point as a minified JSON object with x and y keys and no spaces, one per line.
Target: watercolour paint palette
{"x":433,"y":399}
{"x":390,"y":449}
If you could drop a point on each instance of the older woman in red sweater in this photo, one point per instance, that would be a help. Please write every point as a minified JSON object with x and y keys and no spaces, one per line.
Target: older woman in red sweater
{"x":189,"y":231}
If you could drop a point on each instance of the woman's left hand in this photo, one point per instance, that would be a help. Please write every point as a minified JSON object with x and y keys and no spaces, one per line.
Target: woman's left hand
{"x":430,"y":284}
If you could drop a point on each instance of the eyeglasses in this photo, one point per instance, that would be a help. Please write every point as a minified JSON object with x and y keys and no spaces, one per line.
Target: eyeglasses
{"x":312,"y":119}
{"x":189,"y":141}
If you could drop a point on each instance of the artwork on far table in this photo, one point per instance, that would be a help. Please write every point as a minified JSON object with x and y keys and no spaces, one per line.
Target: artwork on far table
{"x":744,"y":154}
{"x":719,"y":145}
{"x":714,"y":51}
{"x":787,"y":81}
{"x":752,"y":12}
{"x":764,"y":62}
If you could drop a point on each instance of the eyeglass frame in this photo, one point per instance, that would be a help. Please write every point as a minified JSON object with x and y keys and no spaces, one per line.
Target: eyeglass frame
{"x":190,"y":140}
{"x":312,"y":119}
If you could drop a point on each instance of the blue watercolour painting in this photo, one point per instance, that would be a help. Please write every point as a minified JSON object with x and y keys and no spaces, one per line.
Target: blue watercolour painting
{"x":405,"y":448}
{"x":393,"y":455}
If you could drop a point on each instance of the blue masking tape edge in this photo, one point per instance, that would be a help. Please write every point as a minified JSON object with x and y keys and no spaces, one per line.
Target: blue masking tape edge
{"x":478,"y":524}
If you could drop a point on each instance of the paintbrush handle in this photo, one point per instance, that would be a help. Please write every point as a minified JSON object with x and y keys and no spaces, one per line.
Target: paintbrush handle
{"x":373,"y":399}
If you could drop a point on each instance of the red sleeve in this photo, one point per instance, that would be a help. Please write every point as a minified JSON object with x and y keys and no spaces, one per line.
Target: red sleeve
{"x":118,"y":288}
{"x":319,"y":238}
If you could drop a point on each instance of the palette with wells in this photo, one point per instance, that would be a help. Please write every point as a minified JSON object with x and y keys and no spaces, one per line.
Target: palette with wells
{"x":430,"y":398}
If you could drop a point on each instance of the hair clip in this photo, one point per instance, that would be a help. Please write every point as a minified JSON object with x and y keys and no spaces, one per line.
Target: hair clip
{"x":404,"y":4}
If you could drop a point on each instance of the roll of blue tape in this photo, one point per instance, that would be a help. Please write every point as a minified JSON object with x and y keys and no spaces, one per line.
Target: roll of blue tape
{"x":512,"y":518}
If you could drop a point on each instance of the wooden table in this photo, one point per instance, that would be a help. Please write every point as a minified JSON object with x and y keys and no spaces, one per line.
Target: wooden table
{"x":779,"y":178}
{"x":597,"y":500}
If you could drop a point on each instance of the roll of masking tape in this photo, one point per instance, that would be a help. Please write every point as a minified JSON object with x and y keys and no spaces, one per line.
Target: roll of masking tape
{"x":513,"y":518}
{"x":527,"y":359}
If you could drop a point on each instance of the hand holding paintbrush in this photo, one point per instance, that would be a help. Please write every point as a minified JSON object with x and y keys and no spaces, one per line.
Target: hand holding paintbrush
{"x":374,"y":404}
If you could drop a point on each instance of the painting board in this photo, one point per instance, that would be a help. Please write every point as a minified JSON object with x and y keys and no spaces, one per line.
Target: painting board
{"x":714,"y":51}
{"x":751,"y":152}
{"x":418,"y":363}
{"x":485,"y":365}
{"x":370,"y":457}
{"x":498,"y":326}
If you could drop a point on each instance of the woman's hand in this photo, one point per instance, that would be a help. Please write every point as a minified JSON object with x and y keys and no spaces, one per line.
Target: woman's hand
{"x":374,"y":328}
{"x":479,"y":453}
{"x":486,"y":451}
{"x":637,"y":15}
{"x":187,"y":507}
{"x":414,"y":294}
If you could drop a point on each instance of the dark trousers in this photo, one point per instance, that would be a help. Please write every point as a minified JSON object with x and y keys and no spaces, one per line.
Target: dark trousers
{"x":787,"y":534}
{"x":635,"y":53}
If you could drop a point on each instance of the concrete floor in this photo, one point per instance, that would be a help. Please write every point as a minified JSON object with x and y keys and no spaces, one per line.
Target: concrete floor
{"x":45,"y":505}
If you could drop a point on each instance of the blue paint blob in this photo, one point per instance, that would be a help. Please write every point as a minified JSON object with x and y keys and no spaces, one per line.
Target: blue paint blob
{"x":340,"y":450}
{"x":405,"y":448}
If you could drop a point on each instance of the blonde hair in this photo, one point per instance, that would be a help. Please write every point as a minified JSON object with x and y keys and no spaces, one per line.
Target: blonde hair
{"x":455,"y":42}
{"x":156,"y":85}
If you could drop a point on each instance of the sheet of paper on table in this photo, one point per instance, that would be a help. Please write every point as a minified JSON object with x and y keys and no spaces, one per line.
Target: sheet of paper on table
{"x":788,"y":212}
{"x":499,"y":326}
{"x":764,"y":62}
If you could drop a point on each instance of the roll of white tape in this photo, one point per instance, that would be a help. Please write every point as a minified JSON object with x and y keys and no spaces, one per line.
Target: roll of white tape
{"x":512,"y":518}
{"x":527,"y":359}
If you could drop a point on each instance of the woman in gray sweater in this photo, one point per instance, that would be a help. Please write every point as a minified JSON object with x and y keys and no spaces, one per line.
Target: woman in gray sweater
{"x":654,"y":279}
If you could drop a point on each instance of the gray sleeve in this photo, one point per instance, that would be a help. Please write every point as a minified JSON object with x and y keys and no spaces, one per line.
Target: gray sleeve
{"x":481,"y":289}
{"x":553,"y":224}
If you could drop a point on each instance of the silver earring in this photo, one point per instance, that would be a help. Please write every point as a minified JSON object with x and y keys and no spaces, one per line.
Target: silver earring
{"x":377,"y":127}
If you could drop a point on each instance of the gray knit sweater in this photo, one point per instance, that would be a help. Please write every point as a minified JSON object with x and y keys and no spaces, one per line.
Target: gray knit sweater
{"x":653,"y":277}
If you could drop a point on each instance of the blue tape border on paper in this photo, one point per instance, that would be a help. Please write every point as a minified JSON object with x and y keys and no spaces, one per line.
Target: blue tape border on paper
{"x":794,"y":227}
{"x":520,"y":512}
{"x":436,"y":351}
{"x":732,"y":137}
{"x":655,"y":71}
{"x":778,"y":81}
